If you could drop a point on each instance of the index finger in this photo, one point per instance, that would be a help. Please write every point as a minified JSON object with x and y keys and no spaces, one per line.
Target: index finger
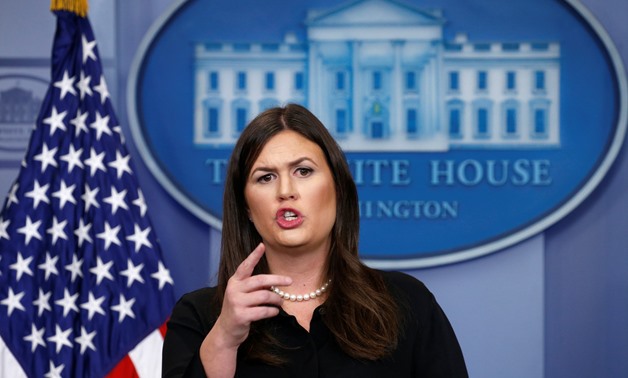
{"x":245,"y":269}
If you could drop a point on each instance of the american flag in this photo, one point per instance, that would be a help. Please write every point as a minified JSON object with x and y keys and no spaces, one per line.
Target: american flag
{"x":83,"y":286}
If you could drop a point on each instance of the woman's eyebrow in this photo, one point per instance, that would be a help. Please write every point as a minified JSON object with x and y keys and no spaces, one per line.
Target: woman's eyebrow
{"x":290,"y":164}
{"x":301,"y":160}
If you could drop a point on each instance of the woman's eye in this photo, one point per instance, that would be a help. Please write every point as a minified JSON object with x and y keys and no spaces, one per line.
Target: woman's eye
{"x":265,"y":178}
{"x":304,"y":172}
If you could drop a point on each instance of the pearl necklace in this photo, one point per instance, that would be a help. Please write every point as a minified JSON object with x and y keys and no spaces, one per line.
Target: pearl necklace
{"x":300,"y":298}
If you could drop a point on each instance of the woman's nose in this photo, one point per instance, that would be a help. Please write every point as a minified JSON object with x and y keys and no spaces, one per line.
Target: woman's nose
{"x":287,"y":190}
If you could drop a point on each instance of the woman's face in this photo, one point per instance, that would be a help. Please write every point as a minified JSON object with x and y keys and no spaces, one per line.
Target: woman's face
{"x":290,"y":194}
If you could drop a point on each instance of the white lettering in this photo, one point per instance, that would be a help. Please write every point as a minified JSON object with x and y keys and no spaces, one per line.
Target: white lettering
{"x":217,"y":167}
{"x":373,"y":172}
{"x":408,"y":209}
{"x":472,"y":172}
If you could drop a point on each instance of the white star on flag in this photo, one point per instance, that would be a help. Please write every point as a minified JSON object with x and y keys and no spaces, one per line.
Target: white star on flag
{"x":132,"y":273}
{"x":109,"y":235}
{"x":140,"y":237}
{"x":68,"y":302}
{"x":162,"y":275}
{"x":89,"y":197}
{"x":57,"y":230}
{"x":47,"y":157}
{"x":42,"y":302}
{"x":124,"y":308}
{"x":36,"y":337}
{"x":83,"y":86}
{"x":38,"y":194}
{"x":21,"y":266}
{"x":139,"y":202}
{"x":12,"y":197}
{"x":61,"y":338}
{"x":101,"y":125}
{"x":55,"y":371}
{"x":49,"y":266}
{"x":30,"y":230}
{"x":75,"y":268}
{"x":93,"y":306}
{"x":13,"y":301}
{"x":121,"y":164}
{"x":95,"y":162}
{"x":118,"y":130}
{"x":79,"y":122}
{"x":85,"y":340}
{"x":3,"y":228}
{"x":88,"y":49}
{"x":64,"y":194}
{"x":101,"y":270}
{"x":116,"y":200}
{"x":66,"y":85}
{"x":73,"y":158}
{"x":82,"y":232}
{"x":56,"y":120}
{"x":102,"y":89}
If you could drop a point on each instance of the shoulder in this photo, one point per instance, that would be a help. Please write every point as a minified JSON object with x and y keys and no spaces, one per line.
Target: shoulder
{"x":426,"y":331}
{"x":405,"y":285}
{"x":190,"y":321}
{"x":198,"y":295}
{"x":198,"y":304}
{"x":413,"y":297}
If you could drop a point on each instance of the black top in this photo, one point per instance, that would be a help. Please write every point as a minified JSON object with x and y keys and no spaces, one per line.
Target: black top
{"x":427,"y":345}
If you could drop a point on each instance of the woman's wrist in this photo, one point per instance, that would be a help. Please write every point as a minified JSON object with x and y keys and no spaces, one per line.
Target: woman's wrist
{"x":217,"y":355}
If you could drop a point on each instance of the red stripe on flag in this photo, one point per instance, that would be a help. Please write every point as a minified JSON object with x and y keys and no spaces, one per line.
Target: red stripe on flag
{"x":163,"y":329}
{"x":124,"y":369}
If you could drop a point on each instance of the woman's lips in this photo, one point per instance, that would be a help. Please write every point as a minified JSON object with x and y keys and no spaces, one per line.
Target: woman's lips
{"x":288,"y":218}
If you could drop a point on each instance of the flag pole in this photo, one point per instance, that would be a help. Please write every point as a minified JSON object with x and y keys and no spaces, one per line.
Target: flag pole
{"x":76,"y":6}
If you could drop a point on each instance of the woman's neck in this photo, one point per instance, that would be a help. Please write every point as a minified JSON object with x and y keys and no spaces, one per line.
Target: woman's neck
{"x":307,"y":269}
{"x":308,"y":273}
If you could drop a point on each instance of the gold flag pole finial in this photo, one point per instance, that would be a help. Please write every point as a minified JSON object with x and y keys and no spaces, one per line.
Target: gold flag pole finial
{"x":76,"y":6}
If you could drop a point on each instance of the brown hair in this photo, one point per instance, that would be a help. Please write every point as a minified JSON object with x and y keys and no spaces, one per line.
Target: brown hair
{"x":366,"y":323}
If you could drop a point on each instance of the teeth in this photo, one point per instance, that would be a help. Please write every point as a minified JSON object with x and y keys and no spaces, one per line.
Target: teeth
{"x":289,"y":215}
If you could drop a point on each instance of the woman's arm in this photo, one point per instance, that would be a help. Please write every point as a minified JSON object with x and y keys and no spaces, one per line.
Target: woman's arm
{"x":438,"y":351}
{"x":188,"y":325}
{"x":190,"y":350}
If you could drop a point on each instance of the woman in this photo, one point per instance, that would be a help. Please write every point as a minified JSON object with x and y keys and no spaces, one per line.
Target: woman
{"x":293,"y":298}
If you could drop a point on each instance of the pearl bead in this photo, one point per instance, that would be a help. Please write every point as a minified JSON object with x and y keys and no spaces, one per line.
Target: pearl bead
{"x":300,"y":298}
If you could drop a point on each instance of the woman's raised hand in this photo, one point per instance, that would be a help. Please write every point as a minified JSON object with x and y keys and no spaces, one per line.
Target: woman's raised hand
{"x":248,"y":299}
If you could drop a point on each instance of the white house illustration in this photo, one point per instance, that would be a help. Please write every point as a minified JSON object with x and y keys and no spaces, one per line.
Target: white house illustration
{"x":19,"y":107}
{"x":381,"y":77}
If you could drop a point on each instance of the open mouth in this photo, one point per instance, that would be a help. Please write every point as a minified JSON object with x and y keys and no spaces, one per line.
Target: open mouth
{"x":289,"y":218}
{"x":289,"y":215}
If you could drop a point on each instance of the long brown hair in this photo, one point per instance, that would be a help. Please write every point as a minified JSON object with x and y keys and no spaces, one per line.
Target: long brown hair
{"x":359,"y":310}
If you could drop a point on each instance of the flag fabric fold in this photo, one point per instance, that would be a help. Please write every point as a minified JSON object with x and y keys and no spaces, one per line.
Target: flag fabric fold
{"x":83,"y":285}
